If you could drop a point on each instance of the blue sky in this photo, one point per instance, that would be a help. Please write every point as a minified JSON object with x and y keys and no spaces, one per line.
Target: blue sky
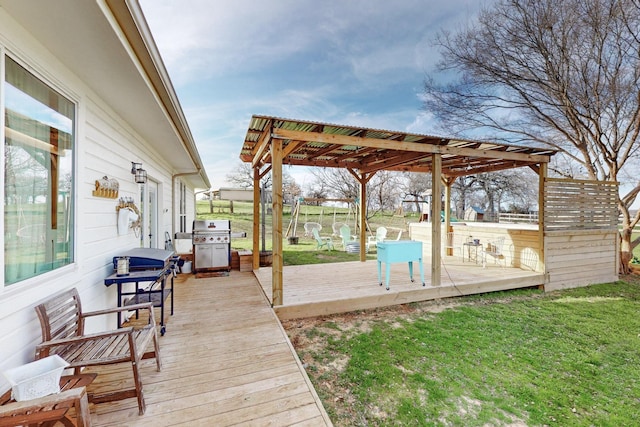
{"x":351,"y":62}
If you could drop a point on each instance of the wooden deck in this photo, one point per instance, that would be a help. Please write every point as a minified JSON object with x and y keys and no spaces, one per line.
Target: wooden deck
{"x":226,"y":361}
{"x":321,"y":289}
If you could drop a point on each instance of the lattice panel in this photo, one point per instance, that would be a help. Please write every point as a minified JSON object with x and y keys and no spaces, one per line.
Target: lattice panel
{"x":580,"y":205}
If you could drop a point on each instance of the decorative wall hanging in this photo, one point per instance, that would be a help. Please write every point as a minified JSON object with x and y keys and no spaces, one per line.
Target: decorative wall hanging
{"x":128,"y":216}
{"x":106,"y":187}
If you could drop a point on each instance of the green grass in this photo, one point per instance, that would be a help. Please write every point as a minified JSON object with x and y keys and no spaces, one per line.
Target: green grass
{"x":563,"y":359}
{"x":305,"y":251}
{"x":522,"y":357}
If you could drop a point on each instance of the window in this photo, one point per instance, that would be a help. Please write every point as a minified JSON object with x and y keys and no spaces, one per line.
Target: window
{"x":39,"y":128}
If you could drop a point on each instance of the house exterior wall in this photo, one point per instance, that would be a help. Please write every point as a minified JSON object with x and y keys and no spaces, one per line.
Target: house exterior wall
{"x":105,"y":145}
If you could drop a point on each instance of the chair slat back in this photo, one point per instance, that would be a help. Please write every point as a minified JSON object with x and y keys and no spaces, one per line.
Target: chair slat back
{"x":61,"y":316}
{"x":381,"y":234}
{"x":345,"y":234}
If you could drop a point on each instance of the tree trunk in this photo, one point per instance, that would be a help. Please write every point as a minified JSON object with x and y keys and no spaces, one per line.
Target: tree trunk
{"x":626,"y":253}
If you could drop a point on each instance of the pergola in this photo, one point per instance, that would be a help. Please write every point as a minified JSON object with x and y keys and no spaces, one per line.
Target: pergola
{"x":272,"y":142}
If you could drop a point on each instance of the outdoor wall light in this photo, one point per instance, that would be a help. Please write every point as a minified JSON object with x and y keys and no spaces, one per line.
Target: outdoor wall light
{"x":140,"y":175}
{"x":135,"y":166}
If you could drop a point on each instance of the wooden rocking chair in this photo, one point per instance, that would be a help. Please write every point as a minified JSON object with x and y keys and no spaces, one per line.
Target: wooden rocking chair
{"x":62,"y":322}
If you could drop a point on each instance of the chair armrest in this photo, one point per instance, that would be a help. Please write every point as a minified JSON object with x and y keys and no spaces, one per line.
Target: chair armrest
{"x":141,"y":306}
{"x":89,"y":337}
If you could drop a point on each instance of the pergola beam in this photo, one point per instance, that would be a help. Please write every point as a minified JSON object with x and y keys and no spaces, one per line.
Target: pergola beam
{"x":261,"y":146}
{"x":392,"y":162}
{"x":287,"y":134}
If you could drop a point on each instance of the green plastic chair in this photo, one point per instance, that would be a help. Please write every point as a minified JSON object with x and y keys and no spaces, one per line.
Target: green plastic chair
{"x":322,"y":241}
{"x":345,"y":235}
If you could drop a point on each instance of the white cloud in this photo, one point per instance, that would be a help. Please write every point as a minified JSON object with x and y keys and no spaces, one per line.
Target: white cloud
{"x":205,"y":38}
{"x":352,"y":62}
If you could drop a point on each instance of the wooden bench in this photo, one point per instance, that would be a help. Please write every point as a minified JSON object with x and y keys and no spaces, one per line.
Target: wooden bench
{"x":62,"y":321}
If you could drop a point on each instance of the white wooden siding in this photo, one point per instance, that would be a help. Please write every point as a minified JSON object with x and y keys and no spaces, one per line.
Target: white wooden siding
{"x":105,"y":145}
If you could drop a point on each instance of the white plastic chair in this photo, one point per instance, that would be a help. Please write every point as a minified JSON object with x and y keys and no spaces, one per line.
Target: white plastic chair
{"x":529,"y":259}
{"x":309,"y":226}
{"x":494,"y":249}
{"x":381,"y":234}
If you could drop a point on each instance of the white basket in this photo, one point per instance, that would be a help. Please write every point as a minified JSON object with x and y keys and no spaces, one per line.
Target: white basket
{"x":36,"y":379}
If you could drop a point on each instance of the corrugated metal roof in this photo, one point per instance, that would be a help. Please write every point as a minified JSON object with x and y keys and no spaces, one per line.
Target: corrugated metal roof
{"x":308,"y":143}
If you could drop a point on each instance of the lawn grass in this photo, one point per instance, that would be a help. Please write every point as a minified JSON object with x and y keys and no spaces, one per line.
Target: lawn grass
{"x":305,"y":251}
{"x":518,"y":358}
{"x":567,"y":358}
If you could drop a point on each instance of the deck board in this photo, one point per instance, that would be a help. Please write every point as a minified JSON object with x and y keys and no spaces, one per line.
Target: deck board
{"x":226,"y":362}
{"x":323,"y":289}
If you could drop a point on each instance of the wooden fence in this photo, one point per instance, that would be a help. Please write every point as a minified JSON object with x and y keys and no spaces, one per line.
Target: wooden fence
{"x":580,"y":205}
{"x":580,"y":232}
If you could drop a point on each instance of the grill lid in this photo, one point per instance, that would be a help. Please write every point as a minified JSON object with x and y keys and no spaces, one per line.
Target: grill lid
{"x":211,"y":225}
{"x":145,"y":258}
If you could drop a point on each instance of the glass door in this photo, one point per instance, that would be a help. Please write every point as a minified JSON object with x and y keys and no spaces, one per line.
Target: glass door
{"x":149,"y":197}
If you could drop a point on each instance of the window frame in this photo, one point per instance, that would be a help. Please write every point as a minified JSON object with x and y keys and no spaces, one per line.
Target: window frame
{"x":182,"y":210}
{"x":48,"y":80}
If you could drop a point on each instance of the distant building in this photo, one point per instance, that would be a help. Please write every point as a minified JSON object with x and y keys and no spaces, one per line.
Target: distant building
{"x":474,"y":213}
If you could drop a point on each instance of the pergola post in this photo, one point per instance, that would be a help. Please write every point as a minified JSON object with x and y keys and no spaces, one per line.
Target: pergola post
{"x":363,"y":179}
{"x":363,"y":219}
{"x":436,"y":226}
{"x":448,"y":182}
{"x":276,"y":245}
{"x":256,"y":214}
{"x":542,"y":175}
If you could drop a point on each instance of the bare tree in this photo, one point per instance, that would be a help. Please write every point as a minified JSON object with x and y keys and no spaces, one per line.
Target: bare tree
{"x":290,"y":190}
{"x":510,"y":190}
{"x":563,"y":73}
{"x":318,"y":190}
{"x":339,"y":182}
{"x":462,"y":190}
{"x":383,"y":192}
{"x":415,"y":187}
{"x":242,"y":176}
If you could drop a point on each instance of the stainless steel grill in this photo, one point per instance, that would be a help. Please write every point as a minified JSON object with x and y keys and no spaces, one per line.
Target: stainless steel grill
{"x":211,"y":245}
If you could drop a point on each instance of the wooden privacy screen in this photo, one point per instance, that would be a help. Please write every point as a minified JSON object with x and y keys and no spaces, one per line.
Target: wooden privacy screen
{"x":580,"y":205}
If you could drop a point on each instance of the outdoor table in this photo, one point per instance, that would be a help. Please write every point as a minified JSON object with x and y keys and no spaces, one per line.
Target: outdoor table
{"x":399,"y":251}
{"x":466,"y":247}
{"x":157,"y":296}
